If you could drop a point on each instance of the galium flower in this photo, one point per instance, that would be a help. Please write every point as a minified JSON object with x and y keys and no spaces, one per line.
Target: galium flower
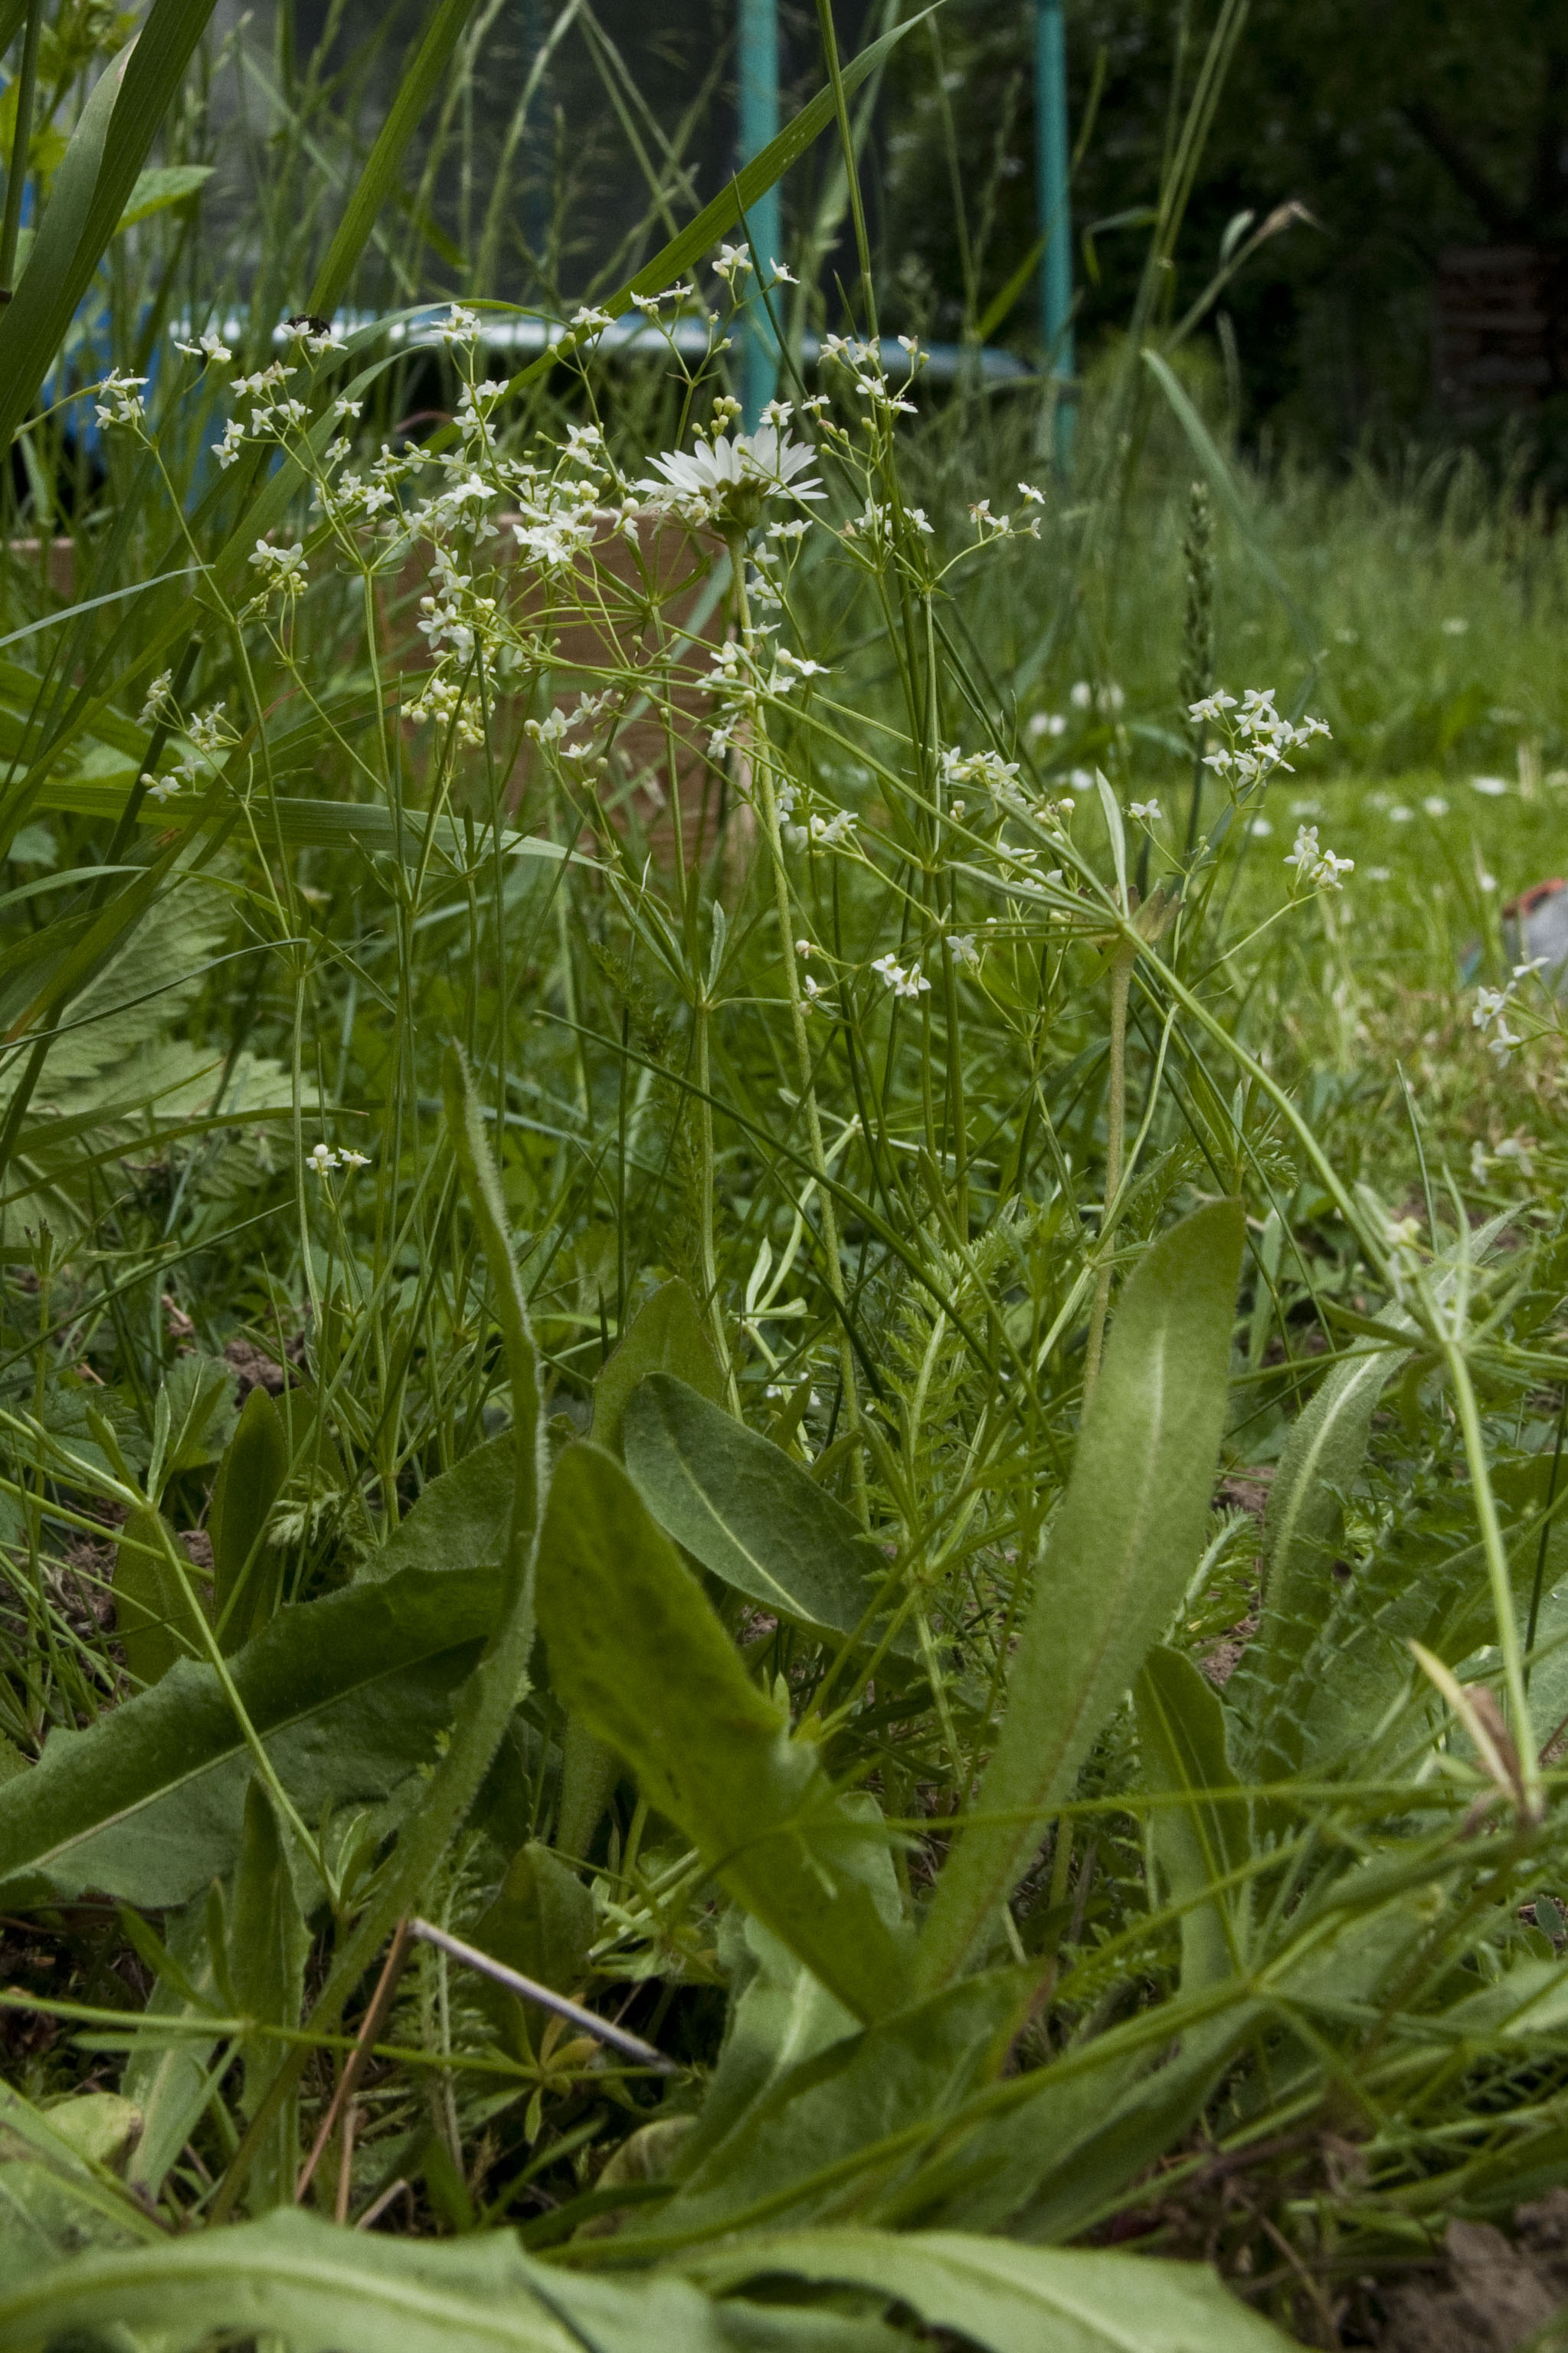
{"x":158,"y":704}
{"x":320,"y":1158}
{"x":1318,"y":868}
{"x":122,"y":403}
{"x":913,"y":983}
{"x":209,"y":345}
{"x":1148,"y":811}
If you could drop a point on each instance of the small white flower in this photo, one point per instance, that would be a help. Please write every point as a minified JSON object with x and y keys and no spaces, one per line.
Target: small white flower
{"x":590,"y":321}
{"x":1519,"y":1150}
{"x":461,"y":325}
{"x":1435,"y":805}
{"x":207,"y":346}
{"x":281,"y":567}
{"x":158,"y":705}
{"x":320,"y":1158}
{"x":1493,"y":788}
{"x":1212,"y":706}
{"x":830,"y":832}
{"x":161,"y":788}
{"x":783,"y":277}
{"x":734,"y":261}
{"x":1480,"y":1161}
{"x":122,"y":403}
{"x":1502,"y":1041}
{"x":1031,"y":496}
{"x":1045,"y":723}
{"x":1261,"y":828}
{"x":1150,"y":811}
{"x":910,"y":984}
{"x":963,"y":947}
{"x":356,"y":1159}
{"x":1490,"y":1003}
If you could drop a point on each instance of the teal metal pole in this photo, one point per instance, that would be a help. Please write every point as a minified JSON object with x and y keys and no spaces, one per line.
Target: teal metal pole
{"x":1052,"y":160}
{"x":758,"y":44}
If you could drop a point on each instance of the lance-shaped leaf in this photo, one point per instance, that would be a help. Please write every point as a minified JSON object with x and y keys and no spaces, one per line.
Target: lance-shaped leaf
{"x":1126,"y":1535}
{"x":635,"y":1652}
{"x":320,"y":2290}
{"x":745,"y":1510}
{"x":349,"y":1696}
{"x":1014,"y":2299}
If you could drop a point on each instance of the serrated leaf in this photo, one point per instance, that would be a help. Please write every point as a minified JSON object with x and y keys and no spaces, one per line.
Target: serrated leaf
{"x":636,"y":1650}
{"x":349,"y":1695}
{"x":1121,"y":1548}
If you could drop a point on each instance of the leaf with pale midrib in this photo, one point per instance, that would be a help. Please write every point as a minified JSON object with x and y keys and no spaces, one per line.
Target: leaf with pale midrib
{"x":349,"y":1693}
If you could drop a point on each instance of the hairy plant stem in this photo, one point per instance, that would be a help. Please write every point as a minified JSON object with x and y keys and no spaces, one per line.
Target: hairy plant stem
{"x":1115,"y":1135}
{"x":767,"y":798}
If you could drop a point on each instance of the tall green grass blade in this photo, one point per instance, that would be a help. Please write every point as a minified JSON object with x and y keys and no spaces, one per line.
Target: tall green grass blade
{"x":91,"y":190}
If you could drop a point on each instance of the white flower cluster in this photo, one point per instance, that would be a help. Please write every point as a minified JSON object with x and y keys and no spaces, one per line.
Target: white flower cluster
{"x":122,"y":403}
{"x":1489,"y":1011}
{"x":1316,"y":869}
{"x":281,"y":568}
{"x":911,"y":983}
{"x":1258,"y":738}
{"x":321,"y":1159}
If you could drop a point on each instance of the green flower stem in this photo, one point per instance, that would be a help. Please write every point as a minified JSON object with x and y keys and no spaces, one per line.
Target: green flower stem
{"x":767,"y":800}
{"x":17,"y":177}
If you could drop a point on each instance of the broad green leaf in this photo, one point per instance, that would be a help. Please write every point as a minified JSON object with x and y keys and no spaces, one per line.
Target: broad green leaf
{"x":1013,"y":2299}
{"x":102,"y":2127}
{"x":541,"y":1923}
{"x":460,"y":1519}
{"x":46,"y":2214}
{"x":268,"y":1945}
{"x":499,"y":1681}
{"x":324,"y":2290}
{"x":791,"y":2153}
{"x":152,"y":1613}
{"x":636,"y":1650}
{"x":1181,"y":1736}
{"x":350,"y":1695}
{"x":1120,"y":1550}
{"x":246,"y":1571}
{"x":172,"y":2081}
{"x":162,"y":186}
{"x":664,"y":1336}
{"x":90,"y":190}
{"x":741,"y":1506}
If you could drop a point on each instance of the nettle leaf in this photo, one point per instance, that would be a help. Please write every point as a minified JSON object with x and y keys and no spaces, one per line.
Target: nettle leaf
{"x":750,"y":1515}
{"x":1121,"y":1548}
{"x":349,"y":1695}
{"x":637,"y":1653}
{"x":1014,"y":2299}
{"x":325,"y":2290}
